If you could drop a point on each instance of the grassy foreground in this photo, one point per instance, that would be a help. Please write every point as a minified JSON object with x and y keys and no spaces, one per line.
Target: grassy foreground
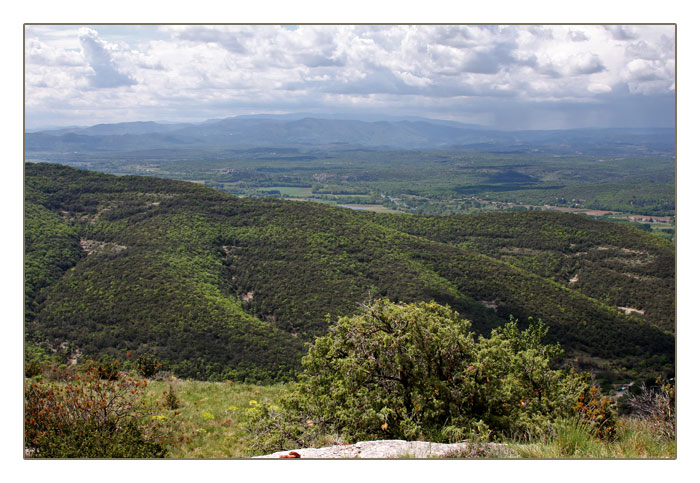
{"x":212,"y":414}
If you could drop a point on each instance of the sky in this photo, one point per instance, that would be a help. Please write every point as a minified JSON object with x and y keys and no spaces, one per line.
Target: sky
{"x":502,"y":76}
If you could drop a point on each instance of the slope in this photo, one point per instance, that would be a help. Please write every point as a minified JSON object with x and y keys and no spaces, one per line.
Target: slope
{"x":220,"y":286}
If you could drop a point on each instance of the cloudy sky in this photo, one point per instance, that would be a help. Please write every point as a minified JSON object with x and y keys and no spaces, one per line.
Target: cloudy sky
{"x":510,"y":76}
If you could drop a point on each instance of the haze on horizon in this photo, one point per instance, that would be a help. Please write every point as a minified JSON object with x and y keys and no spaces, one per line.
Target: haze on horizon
{"x":505,"y":77}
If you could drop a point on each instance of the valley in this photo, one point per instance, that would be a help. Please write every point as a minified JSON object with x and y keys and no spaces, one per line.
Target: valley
{"x":622,"y":175}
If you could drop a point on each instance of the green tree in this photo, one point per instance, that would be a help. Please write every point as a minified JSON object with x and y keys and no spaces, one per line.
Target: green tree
{"x":412,"y":371}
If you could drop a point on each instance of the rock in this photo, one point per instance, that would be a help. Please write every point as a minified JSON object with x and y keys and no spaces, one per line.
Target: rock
{"x":377,"y":449}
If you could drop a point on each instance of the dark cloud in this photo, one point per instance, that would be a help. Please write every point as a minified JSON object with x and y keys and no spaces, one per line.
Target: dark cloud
{"x":100,"y":60}
{"x":482,"y":63}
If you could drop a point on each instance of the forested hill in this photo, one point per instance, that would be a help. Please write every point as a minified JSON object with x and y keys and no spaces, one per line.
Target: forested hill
{"x":224,"y":287}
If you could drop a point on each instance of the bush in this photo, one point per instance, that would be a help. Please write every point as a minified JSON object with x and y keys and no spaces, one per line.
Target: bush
{"x":657,"y":405}
{"x":148,"y":365}
{"x":84,"y":415}
{"x":36,"y":359}
{"x":415,"y":371}
{"x":171,"y":399}
{"x":597,"y":413}
{"x":106,"y":368}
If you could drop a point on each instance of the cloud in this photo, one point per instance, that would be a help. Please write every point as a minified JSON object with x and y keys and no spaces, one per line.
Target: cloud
{"x":41,"y":53}
{"x":228,"y":40}
{"x":586,"y":65}
{"x":621,"y":32}
{"x":99,"y":58}
{"x":596,"y":88}
{"x":577,"y":36}
{"x":225,"y":70}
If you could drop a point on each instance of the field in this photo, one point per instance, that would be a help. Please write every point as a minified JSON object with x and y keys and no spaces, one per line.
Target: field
{"x":212,"y":414}
{"x":435,"y":182}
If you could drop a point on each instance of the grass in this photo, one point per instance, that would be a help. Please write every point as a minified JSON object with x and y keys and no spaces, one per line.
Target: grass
{"x":636,"y":439}
{"x":209,"y":421}
{"x":291,"y":191}
{"x":211,"y":415}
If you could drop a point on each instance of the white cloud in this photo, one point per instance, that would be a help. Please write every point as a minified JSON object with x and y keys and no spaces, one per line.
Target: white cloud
{"x":597,"y":88}
{"x":99,"y":56}
{"x":252,"y":68}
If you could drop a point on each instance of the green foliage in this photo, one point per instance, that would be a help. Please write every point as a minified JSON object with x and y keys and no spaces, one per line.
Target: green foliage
{"x":573,"y":438}
{"x":37,"y":359}
{"x":84,"y":415}
{"x":414,"y":371}
{"x":218,"y":287}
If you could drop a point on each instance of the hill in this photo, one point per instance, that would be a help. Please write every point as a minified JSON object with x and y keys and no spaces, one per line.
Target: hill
{"x":231,"y":288}
{"x":341,"y":133}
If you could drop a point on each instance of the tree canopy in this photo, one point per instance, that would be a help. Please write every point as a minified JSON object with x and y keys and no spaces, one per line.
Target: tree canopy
{"x":417,"y":371}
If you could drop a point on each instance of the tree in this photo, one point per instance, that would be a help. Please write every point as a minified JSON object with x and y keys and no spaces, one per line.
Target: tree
{"x":415,"y":371}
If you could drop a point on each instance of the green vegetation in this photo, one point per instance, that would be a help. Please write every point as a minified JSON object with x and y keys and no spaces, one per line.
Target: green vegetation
{"x":219,"y":287}
{"x":431,"y":182}
{"x":415,"y":372}
{"x":178,"y":281}
{"x":177,"y":418}
{"x":635,"y":439}
{"x":87,"y":414}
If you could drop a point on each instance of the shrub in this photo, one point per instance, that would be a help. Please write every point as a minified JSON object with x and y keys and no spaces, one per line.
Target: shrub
{"x":86,"y":416}
{"x":148,"y":365}
{"x":597,"y":412}
{"x":36,"y":359}
{"x":415,"y":371}
{"x":657,"y":405}
{"x":106,"y":368}
{"x":171,"y":399}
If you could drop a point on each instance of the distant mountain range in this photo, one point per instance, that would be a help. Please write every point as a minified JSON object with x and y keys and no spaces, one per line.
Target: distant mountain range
{"x":299,"y":131}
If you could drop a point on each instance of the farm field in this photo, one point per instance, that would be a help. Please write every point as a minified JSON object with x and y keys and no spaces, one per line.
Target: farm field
{"x":627,"y":188}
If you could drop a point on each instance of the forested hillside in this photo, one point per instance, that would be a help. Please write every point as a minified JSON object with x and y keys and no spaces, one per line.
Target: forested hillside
{"x":231,"y":288}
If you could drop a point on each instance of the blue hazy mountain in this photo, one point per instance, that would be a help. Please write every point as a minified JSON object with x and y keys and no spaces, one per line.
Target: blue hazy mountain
{"x":385,"y":132}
